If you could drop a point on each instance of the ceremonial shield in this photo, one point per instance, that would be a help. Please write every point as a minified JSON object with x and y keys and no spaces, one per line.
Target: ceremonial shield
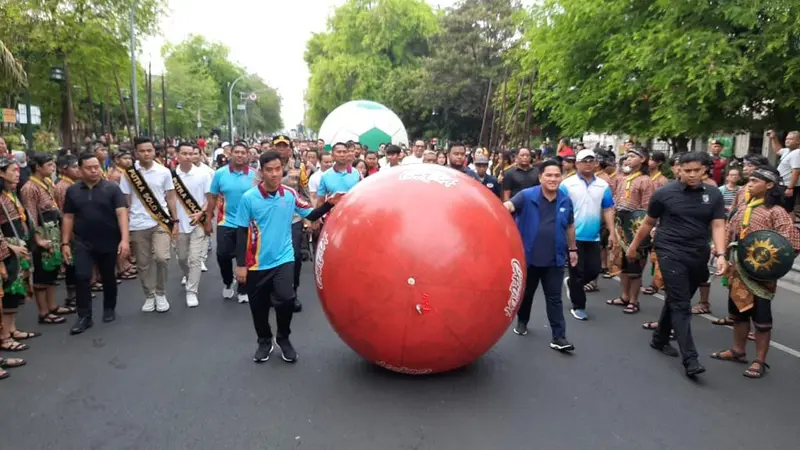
{"x":765,"y":255}
{"x":627,"y":225}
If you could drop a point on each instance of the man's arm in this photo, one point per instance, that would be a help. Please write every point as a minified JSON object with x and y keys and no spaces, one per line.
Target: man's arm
{"x":67,"y":225}
{"x":515,"y":205}
{"x":718,"y":236}
{"x":122,"y":220}
{"x":172,"y":203}
{"x":571,"y":242}
{"x":642,"y":234}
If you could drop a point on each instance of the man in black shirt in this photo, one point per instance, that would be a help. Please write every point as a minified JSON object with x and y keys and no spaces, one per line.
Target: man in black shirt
{"x":684,"y":210}
{"x":95,"y":232}
{"x":523,"y":176}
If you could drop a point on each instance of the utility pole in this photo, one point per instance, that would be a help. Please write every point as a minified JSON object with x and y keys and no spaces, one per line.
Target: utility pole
{"x":134,"y":92}
{"x":150,"y":99}
{"x":164,"y":104}
{"x":230,"y":108}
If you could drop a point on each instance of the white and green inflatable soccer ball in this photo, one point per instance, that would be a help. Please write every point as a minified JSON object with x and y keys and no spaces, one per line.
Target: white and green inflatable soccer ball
{"x":369,"y":123}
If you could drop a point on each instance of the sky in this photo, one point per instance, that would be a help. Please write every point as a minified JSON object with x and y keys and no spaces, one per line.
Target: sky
{"x":260,"y":33}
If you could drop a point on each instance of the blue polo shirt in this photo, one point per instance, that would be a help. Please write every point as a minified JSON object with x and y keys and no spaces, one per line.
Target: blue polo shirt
{"x":333,"y":181}
{"x":269,"y":219}
{"x":230,"y":186}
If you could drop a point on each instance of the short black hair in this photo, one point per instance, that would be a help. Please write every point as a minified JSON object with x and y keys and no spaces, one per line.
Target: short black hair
{"x":456,"y":144}
{"x":312,"y":150}
{"x":392,"y":149}
{"x":85,"y":156}
{"x":548,"y":163}
{"x":66,"y":161}
{"x":691,"y":157}
{"x":338,"y":144}
{"x":240,"y":144}
{"x":139,"y":140}
{"x":267,"y":157}
{"x":185,"y":144}
{"x":39,"y":159}
{"x":659,"y":157}
{"x":266,"y":142}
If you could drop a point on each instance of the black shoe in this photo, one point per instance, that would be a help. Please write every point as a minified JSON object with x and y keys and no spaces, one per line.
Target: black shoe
{"x":83,"y":324}
{"x":297,"y":306}
{"x":109,"y":315}
{"x":287,"y":350}
{"x":694,"y":369}
{"x":521,"y":329}
{"x":562,"y":345}
{"x":263,"y":352}
{"x":665,"y":349}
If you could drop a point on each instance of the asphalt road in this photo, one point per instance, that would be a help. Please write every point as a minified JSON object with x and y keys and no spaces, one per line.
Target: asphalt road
{"x":185,"y":380}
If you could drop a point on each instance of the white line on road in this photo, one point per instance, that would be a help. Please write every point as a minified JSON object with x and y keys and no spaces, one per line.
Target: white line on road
{"x":710,"y":318}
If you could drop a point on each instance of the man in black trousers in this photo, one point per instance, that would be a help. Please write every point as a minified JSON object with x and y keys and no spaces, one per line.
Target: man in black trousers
{"x":95,"y":232}
{"x":685,"y":209}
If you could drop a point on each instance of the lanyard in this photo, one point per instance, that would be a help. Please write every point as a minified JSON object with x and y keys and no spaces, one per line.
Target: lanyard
{"x":67,"y":179}
{"x":747,"y":215}
{"x":48,"y":186}
{"x":628,"y":181}
{"x":655,"y":177}
{"x":20,"y":210}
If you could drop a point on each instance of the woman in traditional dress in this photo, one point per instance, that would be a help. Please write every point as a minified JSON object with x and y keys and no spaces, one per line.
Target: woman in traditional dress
{"x":38,"y":198}
{"x":750,"y":299}
{"x":16,"y":285}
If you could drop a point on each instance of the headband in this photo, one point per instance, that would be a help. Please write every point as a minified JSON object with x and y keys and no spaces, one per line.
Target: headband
{"x":766,"y":175}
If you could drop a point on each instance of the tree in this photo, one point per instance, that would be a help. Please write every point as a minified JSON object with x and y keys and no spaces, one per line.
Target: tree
{"x":10,"y":68}
{"x":668,"y":69}
{"x":368,"y":42}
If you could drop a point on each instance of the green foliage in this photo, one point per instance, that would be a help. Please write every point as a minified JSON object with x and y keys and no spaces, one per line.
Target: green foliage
{"x":669,"y":69}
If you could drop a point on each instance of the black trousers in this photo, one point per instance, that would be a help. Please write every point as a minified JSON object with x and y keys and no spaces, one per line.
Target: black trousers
{"x":587,"y":269}
{"x":551,"y":279}
{"x":298,"y":235}
{"x":682,"y":277}
{"x":226,"y":252}
{"x":271,"y":288}
{"x":84,"y":261}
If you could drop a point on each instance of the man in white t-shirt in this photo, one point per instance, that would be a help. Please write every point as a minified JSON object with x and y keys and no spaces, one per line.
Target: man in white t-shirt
{"x":789,"y":169}
{"x":416,"y":156}
{"x":325,"y":163}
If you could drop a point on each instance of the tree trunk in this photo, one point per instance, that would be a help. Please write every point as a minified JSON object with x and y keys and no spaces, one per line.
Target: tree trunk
{"x":107,"y":118}
{"x":529,"y":112}
{"x":485,"y":112}
{"x":68,"y":114}
{"x":123,"y":106}
{"x":679,"y":144}
{"x":90,"y":127}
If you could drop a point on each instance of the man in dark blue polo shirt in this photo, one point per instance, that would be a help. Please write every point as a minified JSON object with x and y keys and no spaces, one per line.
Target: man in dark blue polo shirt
{"x":486,"y":179}
{"x":545,"y":219}
{"x":457,"y":157}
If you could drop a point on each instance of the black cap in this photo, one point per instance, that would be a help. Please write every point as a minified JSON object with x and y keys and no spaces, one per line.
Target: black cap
{"x":281,"y":139}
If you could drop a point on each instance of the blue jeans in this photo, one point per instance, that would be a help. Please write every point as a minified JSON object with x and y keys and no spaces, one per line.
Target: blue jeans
{"x":551,"y":279}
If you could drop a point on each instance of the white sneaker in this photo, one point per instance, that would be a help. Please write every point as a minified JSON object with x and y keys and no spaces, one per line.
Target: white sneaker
{"x":162,"y":305}
{"x":183,"y":281}
{"x":149,"y":304}
{"x":191,"y":300}
{"x":566,"y":288}
{"x":243,"y":298}
{"x":203,"y":267}
{"x":227,"y":292}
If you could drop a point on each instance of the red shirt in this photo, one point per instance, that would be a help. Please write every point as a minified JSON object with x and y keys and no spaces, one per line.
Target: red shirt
{"x":201,"y":143}
{"x":718,"y":169}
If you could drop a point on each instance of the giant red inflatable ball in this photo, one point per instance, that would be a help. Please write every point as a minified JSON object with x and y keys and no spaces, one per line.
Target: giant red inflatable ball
{"x":420,"y":269}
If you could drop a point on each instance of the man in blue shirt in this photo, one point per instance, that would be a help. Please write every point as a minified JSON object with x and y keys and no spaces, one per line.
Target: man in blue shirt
{"x":457,"y":157}
{"x":227,"y":188}
{"x":265,"y":254}
{"x":545,"y":219}
{"x":594,"y":203}
{"x":486,"y":179}
{"x":339,"y":178}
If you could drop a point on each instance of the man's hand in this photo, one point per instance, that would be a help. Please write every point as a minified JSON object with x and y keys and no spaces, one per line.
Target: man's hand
{"x":789,"y":192}
{"x":124,"y":249}
{"x":631,"y":254}
{"x":573,"y":259}
{"x":612,"y":241}
{"x":335,"y":198}
{"x":174,"y":230}
{"x":722,"y":266}
{"x":66,"y":253}
{"x":208,"y":227}
{"x":3,"y":272}
{"x":44,"y":243}
{"x":20,"y":250}
{"x":241,"y":275}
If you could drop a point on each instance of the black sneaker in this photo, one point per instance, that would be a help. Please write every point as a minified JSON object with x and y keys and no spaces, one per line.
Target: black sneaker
{"x":287,"y":350}
{"x":521,"y":329}
{"x":665,"y":349}
{"x":109,"y":315}
{"x":263,"y":352}
{"x":694,"y":369}
{"x":298,"y":307}
{"x":562,"y":345}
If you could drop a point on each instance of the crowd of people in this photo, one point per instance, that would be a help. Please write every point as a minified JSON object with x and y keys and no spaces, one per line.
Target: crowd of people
{"x":97,"y":218}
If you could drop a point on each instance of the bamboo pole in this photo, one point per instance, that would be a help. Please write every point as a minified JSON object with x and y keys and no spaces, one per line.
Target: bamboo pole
{"x":123,"y":106}
{"x":485,"y":112}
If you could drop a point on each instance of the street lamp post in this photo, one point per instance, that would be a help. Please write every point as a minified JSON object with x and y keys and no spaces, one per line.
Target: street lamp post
{"x":134,"y":92}
{"x":230,"y":107}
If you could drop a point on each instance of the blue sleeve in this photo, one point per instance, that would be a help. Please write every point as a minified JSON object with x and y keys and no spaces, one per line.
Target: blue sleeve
{"x":322,"y":191}
{"x":215,"y":182}
{"x":301,"y":207}
{"x":243,"y":212}
{"x":608,"y":198}
{"x":518,"y":201}
{"x":564,"y":189}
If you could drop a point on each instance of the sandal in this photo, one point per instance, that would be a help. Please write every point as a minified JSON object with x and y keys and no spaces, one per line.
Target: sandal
{"x":23,"y":335}
{"x":97,"y":286}
{"x":590,"y":287}
{"x":724,"y":321}
{"x":126,"y":275}
{"x":650,"y":290}
{"x":617,"y":302}
{"x":52,"y":319}
{"x":751,"y":336}
{"x":631,"y":308}
{"x":701,"y":308}
{"x":4,"y":374}
{"x":756,"y":373}
{"x":10,"y":345}
{"x":11,"y":363}
{"x":64,"y":310}
{"x":730,"y":355}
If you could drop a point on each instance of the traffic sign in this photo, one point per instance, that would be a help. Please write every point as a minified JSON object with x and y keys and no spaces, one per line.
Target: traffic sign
{"x":253,"y":97}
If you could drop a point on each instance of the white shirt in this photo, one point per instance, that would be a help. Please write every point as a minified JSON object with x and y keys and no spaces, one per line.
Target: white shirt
{"x":159,"y":179}
{"x":411,"y":159}
{"x":198,"y":183}
{"x":207,"y":169}
{"x":790,"y":160}
{"x":313,"y":181}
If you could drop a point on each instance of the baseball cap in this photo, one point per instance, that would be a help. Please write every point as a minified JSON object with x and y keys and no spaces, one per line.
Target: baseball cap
{"x":225,"y":144}
{"x":585,"y":154}
{"x":481,"y":159}
{"x":281,"y":139}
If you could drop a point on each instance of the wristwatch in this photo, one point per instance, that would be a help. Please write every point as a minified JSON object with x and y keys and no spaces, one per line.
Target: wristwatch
{"x":573,"y":250}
